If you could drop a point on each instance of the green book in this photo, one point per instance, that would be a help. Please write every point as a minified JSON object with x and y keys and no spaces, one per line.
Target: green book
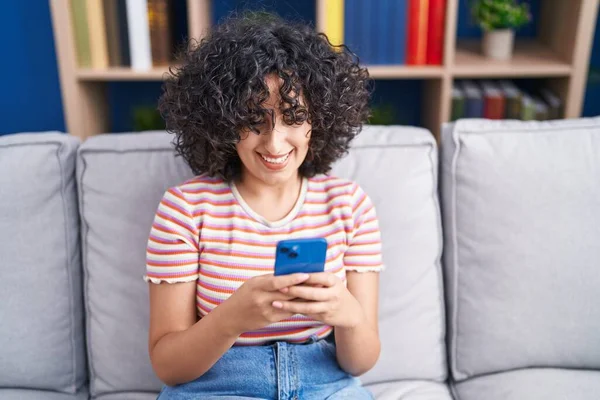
{"x":527,"y":107}
{"x":541,"y":109}
{"x":458,"y":103}
{"x":80,"y":28}
{"x":512,"y":94}
{"x":555,"y":108}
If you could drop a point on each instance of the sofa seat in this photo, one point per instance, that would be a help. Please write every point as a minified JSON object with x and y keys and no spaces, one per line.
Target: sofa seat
{"x":410,"y":390}
{"x":532,"y":384}
{"x":32,"y":394}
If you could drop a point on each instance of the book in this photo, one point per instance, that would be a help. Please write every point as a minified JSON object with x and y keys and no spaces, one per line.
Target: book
{"x":97,"y":32}
{"x":111,"y":20}
{"x":81,"y":34}
{"x":123,"y":32}
{"x":541,"y":109}
{"x":473,"y":99}
{"x":350,"y":25}
{"x":139,"y":35}
{"x":334,"y":22}
{"x":366,"y":33}
{"x":159,"y":21}
{"x":527,"y":107}
{"x":372,"y":21}
{"x":435,"y":31}
{"x":416,"y":46}
{"x":555,"y":107}
{"x":399,"y":13}
{"x":381,"y":24}
{"x":512,"y":102}
{"x":458,"y":103}
{"x":493,"y":100}
{"x":356,"y":34}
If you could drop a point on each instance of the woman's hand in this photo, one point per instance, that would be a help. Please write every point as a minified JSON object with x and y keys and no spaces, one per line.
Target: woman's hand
{"x":322,"y":297}
{"x":250,"y":307}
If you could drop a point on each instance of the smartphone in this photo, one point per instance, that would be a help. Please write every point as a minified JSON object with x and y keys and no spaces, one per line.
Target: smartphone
{"x":300,"y":255}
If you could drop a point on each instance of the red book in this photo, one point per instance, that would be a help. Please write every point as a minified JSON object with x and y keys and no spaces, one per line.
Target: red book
{"x":435,"y":32}
{"x":493,"y":100}
{"x":416,"y":35}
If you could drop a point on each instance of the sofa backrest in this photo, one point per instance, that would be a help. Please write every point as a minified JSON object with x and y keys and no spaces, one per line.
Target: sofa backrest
{"x":42,"y":343}
{"x":121,"y":179}
{"x":521,"y":206}
{"x":397,"y":167}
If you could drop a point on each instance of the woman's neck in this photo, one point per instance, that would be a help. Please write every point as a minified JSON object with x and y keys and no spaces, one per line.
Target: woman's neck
{"x":272,"y":202}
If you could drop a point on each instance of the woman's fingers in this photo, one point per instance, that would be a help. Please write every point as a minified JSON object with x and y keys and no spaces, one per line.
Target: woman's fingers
{"x":316,"y":280}
{"x":274,"y":283}
{"x":325,"y":279}
{"x":309,"y":293}
{"x":301,"y":307}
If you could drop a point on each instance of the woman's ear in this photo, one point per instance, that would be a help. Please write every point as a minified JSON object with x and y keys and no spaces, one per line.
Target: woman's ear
{"x":310,"y":155}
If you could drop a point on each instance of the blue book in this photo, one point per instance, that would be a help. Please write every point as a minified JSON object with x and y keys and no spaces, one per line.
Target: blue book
{"x":366,"y":38}
{"x":349,"y":25}
{"x":399,"y":26}
{"x":353,"y":28}
{"x":473,"y":99}
{"x":382,"y":30}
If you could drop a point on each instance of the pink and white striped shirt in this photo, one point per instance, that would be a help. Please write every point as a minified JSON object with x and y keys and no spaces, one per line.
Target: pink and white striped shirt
{"x":204,"y":231}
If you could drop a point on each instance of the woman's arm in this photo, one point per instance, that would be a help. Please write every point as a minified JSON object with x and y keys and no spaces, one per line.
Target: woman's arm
{"x":182,"y":348}
{"x":351,"y":310}
{"x":358,"y":347}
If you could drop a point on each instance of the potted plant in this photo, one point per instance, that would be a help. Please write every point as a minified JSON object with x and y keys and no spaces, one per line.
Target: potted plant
{"x":147,"y":118}
{"x":382,"y":114}
{"x":499,"y":19}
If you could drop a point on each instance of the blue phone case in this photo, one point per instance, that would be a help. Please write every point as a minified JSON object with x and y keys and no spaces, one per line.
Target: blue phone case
{"x":300,"y":255}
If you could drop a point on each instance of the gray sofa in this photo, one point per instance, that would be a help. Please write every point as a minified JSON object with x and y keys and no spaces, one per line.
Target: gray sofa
{"x":510,"y":309}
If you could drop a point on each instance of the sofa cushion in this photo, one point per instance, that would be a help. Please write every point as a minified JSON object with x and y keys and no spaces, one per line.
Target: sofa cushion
{"x":397,"y":167}
{"x":41,"y":300}
{"x":547,"y":384}
{"x":24,"y":394}
{"x":410,"y":390}
{"x":121,"y":179}
{"x":522,"y":227}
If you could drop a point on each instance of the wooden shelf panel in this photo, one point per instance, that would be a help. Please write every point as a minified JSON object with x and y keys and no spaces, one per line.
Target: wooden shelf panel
{"x":157,"y":74}
{"x":404,"y":71}
{"x":530,"y":59}
{"x":121,"y":74}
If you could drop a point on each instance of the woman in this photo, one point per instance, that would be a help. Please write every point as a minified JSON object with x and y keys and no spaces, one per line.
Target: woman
{"x":261,"y":109}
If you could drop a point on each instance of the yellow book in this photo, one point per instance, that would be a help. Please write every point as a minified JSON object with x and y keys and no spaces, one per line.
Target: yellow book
{"x":80,"y":28}
{"x":334,"y":21}
{"x":97,"y":31}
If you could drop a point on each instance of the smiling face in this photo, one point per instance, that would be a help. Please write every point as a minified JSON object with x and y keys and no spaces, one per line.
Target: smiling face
{"x":274,"y":156}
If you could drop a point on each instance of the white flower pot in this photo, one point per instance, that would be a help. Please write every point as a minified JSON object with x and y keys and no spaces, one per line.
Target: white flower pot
{"x":498,"y":44}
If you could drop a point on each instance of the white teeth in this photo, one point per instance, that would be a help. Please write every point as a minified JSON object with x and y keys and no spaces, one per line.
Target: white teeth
{"x":278,"y":160}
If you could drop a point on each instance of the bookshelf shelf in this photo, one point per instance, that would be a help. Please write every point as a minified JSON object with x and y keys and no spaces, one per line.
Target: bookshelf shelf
{"x":121,"y":74}
{"x":404,"y":72}
{"x":530,"y":59}
{"x":158,"y":73}
{"x":560,"y":53}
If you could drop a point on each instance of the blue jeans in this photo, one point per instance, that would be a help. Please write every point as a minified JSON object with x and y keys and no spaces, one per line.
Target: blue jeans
{"x":278,"y":371}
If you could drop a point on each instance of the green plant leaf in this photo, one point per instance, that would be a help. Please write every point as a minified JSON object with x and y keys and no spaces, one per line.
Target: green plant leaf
{"x":147,"y":118}
{"x":500,"y":14}
{"x":382,"y":115}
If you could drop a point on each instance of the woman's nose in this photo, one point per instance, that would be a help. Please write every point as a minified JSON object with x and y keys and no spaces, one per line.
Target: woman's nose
{"x":276,"y":139}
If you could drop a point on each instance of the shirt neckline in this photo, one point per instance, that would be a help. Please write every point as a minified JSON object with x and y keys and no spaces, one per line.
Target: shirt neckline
{"x":259,"y":218}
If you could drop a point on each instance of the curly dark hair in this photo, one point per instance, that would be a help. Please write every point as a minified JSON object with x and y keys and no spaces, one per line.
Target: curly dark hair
{"x":218,"y":91}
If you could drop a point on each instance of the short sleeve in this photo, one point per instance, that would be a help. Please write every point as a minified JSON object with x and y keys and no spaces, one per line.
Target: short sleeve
{"x":172,"y":250}
{"x":364,"y":247}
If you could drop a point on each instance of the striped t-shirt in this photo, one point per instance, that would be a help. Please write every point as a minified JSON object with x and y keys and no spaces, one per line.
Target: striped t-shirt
{"x":204,"y":231}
